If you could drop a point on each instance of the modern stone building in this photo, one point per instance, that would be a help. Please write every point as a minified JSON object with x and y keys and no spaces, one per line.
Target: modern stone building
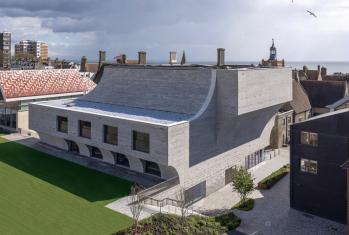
{"x":18,"y":88}
{"x":318,"y":183}
{"x":190,"y":123}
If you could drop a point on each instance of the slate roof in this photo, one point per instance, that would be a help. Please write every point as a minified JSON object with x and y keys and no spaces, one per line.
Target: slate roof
{"x":338,"y":103}
{"x":300,"y":102}
{"x":28,"y":83}
{"x":323,"y":93}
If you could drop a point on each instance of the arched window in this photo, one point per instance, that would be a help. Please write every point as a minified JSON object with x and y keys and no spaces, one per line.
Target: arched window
{"x":95,"y":152}
{"x":72,"y":146}
{"x":152,"y":168}
{"x":121,"y":159}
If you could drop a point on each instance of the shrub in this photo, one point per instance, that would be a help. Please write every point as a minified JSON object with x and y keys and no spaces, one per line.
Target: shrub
{"x":272,"y":179}
{"x":246,"y":205}
{"x":163,"y":224}
{"x":228,"y":220}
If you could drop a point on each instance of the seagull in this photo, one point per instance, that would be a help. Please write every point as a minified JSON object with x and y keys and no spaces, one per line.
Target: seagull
{"x":312,"y":14}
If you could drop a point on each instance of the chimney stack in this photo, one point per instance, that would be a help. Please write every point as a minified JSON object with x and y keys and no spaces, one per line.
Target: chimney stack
{"x":83,"y":64}
{"x":142,"y":57}
{"x":102,"y":56}
{"x":323,"y":72}
{"x":173,"y":57}
{"x":220,"y":56}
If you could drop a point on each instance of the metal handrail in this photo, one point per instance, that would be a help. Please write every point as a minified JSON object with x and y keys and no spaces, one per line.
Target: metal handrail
{"x":156,"y":189}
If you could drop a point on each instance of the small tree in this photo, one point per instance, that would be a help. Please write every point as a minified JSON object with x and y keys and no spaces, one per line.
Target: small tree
{"x":183,"y":204}
{"x":242,"y":182}
{"x":136,"y":205}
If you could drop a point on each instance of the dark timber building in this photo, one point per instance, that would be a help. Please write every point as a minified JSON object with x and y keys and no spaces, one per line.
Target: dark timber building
{"x":319,"y":146}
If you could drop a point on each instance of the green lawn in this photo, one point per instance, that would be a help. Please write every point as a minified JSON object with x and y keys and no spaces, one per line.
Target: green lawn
{"x":40,"y":194}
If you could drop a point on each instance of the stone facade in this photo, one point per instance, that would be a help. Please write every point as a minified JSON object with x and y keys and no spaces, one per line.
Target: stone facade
{"x":201,"y":120}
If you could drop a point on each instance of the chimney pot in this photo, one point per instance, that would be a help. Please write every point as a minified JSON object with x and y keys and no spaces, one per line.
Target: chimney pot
{"x":102,"y":56}
{"x":142,"y":57}
{"x":173,"y":57}
{"x":83,"y":64}
{"x":220,"y":56}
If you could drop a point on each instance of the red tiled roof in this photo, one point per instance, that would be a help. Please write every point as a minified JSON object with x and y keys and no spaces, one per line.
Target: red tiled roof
{"x":26,"y":83}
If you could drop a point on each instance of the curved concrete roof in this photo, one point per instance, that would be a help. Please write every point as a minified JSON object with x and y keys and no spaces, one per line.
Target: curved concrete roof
{"x":165,"y":89}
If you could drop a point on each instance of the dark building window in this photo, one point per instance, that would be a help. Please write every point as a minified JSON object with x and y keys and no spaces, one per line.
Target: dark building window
{"x":141,"y":141}
{"x":152,"y":168}
{"x":85,"y":129}
{"x":110,"y":135}
{"x":62,"y":124}
{"x":309,"y":166}
{"x":309,"y":138}
{"x":72,"y":146}
{"x":121,"y":159}
{"x":95,"y":152}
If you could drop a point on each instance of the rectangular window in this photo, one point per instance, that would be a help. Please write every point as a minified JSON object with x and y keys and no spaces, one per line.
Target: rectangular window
{"x":309,"y":166}
{"x":309,"y":138}
{"x":85,"y":129}
{"x":62,"y":124}
{"x":141,"y":141}
{"x":110,"y":135}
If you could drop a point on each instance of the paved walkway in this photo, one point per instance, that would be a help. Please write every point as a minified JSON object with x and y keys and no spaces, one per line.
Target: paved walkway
{"x":272,"y":215}
{"x":95,"y":164}
{"x":224,"y":199}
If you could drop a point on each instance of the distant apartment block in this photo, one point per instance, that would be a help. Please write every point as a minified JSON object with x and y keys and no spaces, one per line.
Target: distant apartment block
{"x":192,"y":123}
{"x":319,"y":147}
{"x":5,"y":50}
{"x":18,"y":88}
{"x":30,"y":49}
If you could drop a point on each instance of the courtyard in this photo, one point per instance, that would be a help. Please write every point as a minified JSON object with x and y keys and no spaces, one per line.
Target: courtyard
{"x":41,"y":194}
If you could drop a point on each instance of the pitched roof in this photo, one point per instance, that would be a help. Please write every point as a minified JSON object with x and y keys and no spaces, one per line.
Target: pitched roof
{"x":338,"y":103}
{"x":300,"y":102}
{"x":27,"y":83}
{"x":323,"y":93}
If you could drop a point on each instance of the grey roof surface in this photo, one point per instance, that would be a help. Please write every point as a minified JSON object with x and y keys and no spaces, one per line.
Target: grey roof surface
{"x":323,"y":93}
{"x":300,"y":102}
{"x":163,"y":89}
{"x":338,"y":103}
{"x":121,"y":112}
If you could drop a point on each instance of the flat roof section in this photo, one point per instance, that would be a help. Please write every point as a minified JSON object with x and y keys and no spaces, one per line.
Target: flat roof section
{"x":150,"y":116}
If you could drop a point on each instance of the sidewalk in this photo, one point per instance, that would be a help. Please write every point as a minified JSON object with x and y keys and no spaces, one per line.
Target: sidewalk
{"x":224,"y":199}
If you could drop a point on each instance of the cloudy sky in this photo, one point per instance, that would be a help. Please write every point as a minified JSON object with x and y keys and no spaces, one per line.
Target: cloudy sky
{"x":73,"y":28}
